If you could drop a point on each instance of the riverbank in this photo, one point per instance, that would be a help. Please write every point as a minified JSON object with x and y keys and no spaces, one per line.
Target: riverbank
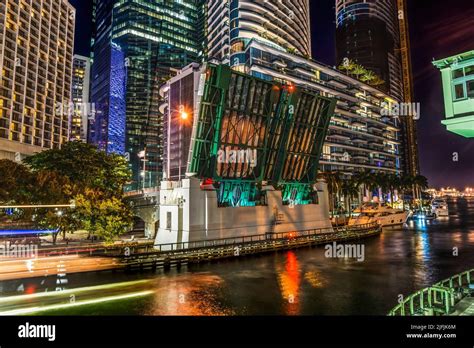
{"x":304,"y":281}
{"x":139,"y":256}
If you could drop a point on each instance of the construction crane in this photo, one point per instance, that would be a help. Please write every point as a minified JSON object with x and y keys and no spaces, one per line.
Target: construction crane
{"x":409,"y":123}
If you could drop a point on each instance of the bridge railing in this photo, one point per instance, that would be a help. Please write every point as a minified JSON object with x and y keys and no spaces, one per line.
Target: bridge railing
{"x":211,"y":243}
{"x":438,"y":299}
{"x":141,"y":192}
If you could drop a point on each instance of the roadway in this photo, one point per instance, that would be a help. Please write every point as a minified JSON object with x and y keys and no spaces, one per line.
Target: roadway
{"x":24,"y":268}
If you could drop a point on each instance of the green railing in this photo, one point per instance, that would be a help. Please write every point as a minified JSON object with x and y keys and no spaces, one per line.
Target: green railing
{"x":439,"y":299}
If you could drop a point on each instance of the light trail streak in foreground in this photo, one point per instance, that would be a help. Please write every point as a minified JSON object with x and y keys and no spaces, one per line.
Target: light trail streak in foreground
{"x":46,"y":301}
{"x":47,"y":266}
{"x":74,"y":304}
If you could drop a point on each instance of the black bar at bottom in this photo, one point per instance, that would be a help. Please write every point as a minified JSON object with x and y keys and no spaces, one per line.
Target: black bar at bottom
{"x":175,"y":331}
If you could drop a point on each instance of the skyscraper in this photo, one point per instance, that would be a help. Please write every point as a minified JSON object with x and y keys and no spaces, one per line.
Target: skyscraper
{"x":155,"y":38}
{"x":374,"y":34}
{"x":359,"y":137}
{"x":80,"y":98}
{"x":36,"y":54}
{"x":271,"y":40}
{"x":367,"y":33}
{"x":232,"y":24}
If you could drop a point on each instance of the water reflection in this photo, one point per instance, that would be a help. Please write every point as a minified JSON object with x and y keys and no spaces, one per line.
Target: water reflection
{"x":289,"y":280}
{"x":400,"y":261}
{"x":195,"y":295}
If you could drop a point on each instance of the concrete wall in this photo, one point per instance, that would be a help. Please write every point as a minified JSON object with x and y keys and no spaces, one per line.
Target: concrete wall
{"x":16,"y":151}
{"x":195,"y":215}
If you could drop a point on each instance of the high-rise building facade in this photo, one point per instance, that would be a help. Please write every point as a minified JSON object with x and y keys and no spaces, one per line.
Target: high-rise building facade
{"x":182,"y":97}
{"x":36,"y":55}
{"x":232,"y":24}
{"x":359,"y":138}
{"x":368,"y":34}
{"x":156,"y":38}
{"x":374,"y":34}
{"x":82,"y":109}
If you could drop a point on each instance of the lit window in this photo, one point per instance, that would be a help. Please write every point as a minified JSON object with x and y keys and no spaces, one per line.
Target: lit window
{"x":469,"y":70}
{"x":470,"y":89}
{"x":458,"y":73}
{"x":459,"y":91}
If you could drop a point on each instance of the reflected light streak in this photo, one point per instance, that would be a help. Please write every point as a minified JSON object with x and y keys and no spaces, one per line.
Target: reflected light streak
{"x":75,"y":304}
{"x":290,"y":281}
{"x":71,"y":291}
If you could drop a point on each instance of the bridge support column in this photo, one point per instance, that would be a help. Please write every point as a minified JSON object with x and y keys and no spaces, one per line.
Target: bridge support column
{"x":150,"y":215}
{"x":150,"y":228}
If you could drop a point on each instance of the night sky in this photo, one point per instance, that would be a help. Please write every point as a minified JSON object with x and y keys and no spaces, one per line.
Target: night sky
{"x":438,"y":29}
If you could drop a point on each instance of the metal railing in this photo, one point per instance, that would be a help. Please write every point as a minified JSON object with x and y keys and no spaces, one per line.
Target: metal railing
{"x":222,"y":242}
{"x":94,"y":249}
{"x":439,"y":299}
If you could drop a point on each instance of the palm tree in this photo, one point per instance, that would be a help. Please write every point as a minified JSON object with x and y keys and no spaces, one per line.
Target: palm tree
{"x":365,"y":180}
{"x":393,"y":184}
{"x":347,"y":66}
{"x":406,"y":183}
{"x":382,"y":181}
{"x":350,"y":189}
{"x":376,"y":82}
{"x":359,"y":70}
{"x":368,"y":76}
{"x":420,"y":183}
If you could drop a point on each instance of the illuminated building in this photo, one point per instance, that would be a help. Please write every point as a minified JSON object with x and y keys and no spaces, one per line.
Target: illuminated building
{"x":156,"y":38}
{"x":457,"y":74}
{"x":36,"y":55}
{"x":80,"y":98}
{"x":367,"y":33}
{"x":182,"y":104}
{"x":360,"y":138}
{"x":232,"y":24}
{"x":374,"y":34}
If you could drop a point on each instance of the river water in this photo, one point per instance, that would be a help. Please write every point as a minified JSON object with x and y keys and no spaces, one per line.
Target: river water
{"x":302,"y":282}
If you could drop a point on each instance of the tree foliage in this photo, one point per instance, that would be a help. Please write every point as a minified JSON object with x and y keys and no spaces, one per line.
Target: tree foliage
{"x":351,"y":68}
{"x":16,"y":182}
{"x":85,"y":166}
{"x":77,"y":172}
{"x":349,"y":188}
{"x":104,"y":217}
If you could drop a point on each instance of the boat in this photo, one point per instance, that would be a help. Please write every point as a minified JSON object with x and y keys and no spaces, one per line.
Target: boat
{"x":422,"y":214}
{"x":383,"y":214}
{"x":439,"y":207}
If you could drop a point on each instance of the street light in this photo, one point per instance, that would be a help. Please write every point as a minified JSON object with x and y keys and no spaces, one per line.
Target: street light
{"x":142,"y":156}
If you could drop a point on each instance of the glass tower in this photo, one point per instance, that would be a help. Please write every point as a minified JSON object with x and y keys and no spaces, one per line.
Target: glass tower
{"x":374,"y":34}
{"x":368,"y":33}
{"x":156,"y":38}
